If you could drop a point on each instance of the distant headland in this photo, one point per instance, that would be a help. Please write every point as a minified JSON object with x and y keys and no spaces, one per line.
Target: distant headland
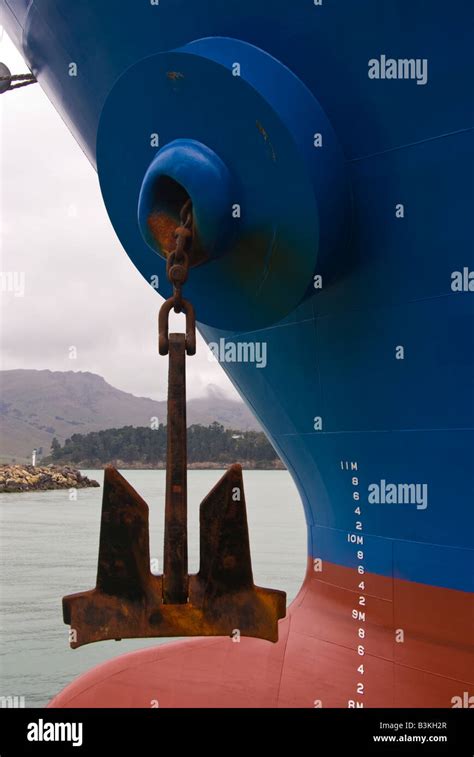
{"x":208,"y":447}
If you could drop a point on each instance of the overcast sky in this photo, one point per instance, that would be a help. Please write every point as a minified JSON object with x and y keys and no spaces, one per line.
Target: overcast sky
{"x":80,"y":288}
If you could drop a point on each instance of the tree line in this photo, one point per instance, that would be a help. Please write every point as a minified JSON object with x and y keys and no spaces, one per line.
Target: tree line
{"x":145,"y":445}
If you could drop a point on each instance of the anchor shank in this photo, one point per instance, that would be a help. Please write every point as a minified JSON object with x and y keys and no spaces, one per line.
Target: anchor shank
{"x":175,"y":561}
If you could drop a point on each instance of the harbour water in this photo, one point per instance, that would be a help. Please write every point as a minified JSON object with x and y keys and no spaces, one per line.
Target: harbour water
{"x":49,"y":548}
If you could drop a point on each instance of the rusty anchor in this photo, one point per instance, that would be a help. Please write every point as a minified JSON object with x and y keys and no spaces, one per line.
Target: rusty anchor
{"x":221,"y":599}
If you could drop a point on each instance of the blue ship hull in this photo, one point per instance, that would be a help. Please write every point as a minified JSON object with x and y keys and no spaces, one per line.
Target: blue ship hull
{"x":369,"y":377}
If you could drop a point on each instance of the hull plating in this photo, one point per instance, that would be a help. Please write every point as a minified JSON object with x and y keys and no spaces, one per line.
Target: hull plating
{"x":369,"y":380}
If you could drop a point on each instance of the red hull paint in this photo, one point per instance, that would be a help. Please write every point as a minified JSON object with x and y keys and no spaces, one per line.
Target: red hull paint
{"x":317,"y":660}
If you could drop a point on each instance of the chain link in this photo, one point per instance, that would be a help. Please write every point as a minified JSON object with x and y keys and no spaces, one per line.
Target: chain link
{"x":177,"y":269}
{"x":177,"y":264}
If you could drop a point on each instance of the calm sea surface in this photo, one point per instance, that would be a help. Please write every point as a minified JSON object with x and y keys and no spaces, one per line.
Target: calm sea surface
{"x":49,"y":548}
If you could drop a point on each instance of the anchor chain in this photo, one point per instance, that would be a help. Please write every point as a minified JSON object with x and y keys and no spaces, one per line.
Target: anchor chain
{"x":177,"y":269}
{"x":177,"y":263}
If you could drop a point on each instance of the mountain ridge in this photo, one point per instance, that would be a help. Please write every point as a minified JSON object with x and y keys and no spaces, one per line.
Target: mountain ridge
{"x":38,"y":405}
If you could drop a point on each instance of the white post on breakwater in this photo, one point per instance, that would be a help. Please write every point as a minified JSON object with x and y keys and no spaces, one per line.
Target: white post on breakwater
{"x":33,"y":458}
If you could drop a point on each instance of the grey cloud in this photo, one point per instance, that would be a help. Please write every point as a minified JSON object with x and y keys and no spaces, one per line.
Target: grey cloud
{"x":80,"y":287}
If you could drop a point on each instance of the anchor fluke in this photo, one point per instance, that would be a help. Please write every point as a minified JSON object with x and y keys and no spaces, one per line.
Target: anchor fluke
{"x":224,"y":541}
{"x":124,"y":553}
{"x":124,"y":579}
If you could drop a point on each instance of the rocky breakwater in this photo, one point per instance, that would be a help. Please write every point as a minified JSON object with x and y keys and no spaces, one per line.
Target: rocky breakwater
{"x":26,"y":478}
